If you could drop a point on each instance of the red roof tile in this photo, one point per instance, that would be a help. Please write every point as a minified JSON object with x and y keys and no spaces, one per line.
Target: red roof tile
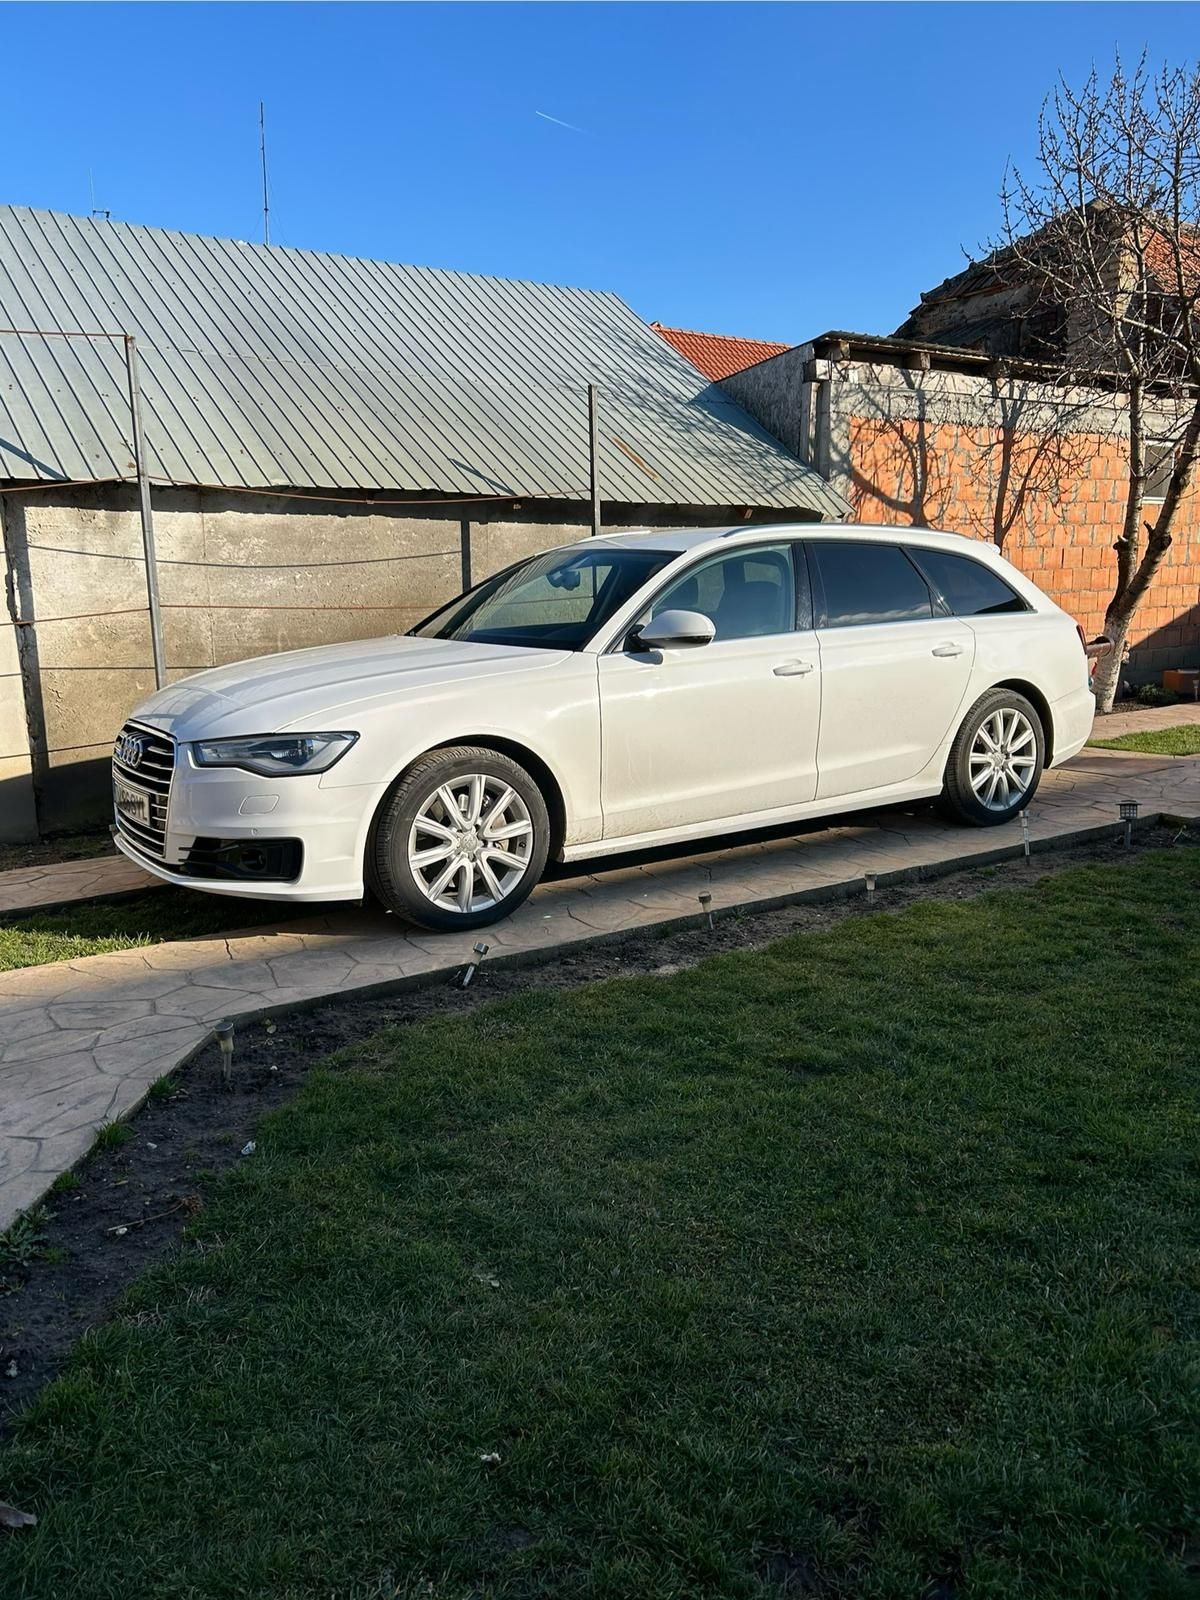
{"x":1160,"y":256}
{"x":717,"y":355}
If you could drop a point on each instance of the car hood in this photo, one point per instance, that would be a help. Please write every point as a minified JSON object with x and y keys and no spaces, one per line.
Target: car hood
{"x":270,"y":694}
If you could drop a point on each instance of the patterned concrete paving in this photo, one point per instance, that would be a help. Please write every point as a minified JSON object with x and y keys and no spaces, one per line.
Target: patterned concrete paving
{"x":82,"y":1040}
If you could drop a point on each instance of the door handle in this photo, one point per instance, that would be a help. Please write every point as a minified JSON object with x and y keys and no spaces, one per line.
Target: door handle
{"x":948,"y":650}
{"x":793,"y":669}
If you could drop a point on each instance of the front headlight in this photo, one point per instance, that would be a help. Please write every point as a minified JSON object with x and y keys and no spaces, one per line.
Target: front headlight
{"x":275,"y":755}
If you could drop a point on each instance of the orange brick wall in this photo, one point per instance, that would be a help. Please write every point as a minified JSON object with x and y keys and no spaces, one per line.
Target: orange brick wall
{"x":1062,"y":510}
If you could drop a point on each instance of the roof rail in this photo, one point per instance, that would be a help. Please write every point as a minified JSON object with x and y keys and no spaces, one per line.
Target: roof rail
{"x":770,"y":527}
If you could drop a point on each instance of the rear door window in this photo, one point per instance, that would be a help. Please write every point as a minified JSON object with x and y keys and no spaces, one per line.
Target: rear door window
{"x":968,"y":588}
{"x":860,"y":583}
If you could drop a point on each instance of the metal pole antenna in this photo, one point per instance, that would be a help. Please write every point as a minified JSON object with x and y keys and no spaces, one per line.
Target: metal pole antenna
{"x":594,"y":457}
{"x":143,"y":482}
{"x":262,"y":146}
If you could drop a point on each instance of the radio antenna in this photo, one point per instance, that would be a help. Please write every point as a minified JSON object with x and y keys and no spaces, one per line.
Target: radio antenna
{"x":97,"y":211}
{"x":262,"y":146}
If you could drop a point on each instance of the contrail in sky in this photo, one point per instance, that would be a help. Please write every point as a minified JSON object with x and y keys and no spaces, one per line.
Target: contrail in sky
{"x":546,"y":117}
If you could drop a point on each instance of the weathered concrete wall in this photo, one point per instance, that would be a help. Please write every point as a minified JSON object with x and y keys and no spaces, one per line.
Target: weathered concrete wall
{"x":1040,"y":472}
{"x":774,"y":392}
{"x":239,"y":576}
{"x":18,"y":818}
{"x":1002,"y":310}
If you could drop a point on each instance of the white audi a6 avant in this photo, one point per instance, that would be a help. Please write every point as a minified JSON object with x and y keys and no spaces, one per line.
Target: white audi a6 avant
{"x":630,"y":690}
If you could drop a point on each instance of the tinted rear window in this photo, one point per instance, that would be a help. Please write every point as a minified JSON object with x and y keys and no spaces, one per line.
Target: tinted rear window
{"x":866,"y":583}
{"x":968,"y":587}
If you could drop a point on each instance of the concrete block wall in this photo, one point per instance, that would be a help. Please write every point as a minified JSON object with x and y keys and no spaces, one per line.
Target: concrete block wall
{"x":240,"y":575}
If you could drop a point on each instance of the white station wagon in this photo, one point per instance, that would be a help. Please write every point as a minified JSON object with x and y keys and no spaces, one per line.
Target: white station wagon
{"x":631,"y":690}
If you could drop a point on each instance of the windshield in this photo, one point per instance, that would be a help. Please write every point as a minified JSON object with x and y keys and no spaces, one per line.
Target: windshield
{"x":555,"y":601}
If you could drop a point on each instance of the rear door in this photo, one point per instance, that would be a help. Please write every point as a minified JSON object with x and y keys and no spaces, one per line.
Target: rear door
{"x":1010,"y":636}
{"x":894,"y":667}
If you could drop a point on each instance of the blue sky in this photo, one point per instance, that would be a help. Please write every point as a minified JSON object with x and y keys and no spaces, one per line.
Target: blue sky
{"x":769,"y":170}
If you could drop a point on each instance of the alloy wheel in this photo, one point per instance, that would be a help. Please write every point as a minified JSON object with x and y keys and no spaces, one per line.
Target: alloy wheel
{"x":1003,"y":758}
{"x":470,"y":843}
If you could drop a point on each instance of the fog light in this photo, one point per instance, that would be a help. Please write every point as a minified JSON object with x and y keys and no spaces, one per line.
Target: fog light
{"x":263,"y":861}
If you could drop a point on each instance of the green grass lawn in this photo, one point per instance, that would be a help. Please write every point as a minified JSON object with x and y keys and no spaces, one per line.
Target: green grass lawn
{"x":31,"y":938}
{"x":863,"y":1266}
{"x":1157,"y":741}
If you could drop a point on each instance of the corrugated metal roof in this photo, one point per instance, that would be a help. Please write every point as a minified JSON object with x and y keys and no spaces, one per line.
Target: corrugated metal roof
{"x":269,"y":367}
{"x":718,"y":355}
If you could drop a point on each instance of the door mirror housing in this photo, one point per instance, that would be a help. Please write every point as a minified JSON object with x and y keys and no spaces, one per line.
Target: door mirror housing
{"x":674,"y":630}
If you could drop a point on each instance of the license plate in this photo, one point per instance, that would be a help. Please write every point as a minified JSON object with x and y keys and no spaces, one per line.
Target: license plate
{"x":132,"y":803}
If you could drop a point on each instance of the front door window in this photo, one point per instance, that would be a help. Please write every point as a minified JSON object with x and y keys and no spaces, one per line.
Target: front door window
{"x":747,"y":594}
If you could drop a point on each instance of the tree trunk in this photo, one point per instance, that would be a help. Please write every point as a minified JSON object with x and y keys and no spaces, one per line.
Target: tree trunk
{"x":1107,"y":680}
{"x":1135,"y":576}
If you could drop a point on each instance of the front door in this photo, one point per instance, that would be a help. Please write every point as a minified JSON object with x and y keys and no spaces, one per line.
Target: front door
{"x":894,"y":671}
{"x":722,"y":730}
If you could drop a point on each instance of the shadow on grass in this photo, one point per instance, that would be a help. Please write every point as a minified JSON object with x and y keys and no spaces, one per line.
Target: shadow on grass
{"x":33,"y":938}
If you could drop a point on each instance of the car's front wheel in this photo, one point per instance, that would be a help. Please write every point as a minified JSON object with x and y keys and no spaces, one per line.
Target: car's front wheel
{"x":996,"y":760}
{"x":460,"y":840}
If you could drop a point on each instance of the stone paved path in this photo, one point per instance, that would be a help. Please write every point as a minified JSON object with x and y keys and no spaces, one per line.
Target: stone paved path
{"x":60,"y":882}
{"x":81,"y":1041}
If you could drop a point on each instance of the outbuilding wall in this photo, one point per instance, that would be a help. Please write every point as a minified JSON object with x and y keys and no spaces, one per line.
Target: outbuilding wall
{"x":240,"y":575}
{"x":1041,"y":473}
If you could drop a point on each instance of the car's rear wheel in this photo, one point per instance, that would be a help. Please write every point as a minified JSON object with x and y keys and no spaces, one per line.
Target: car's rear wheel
{"x":995,"y":762}
{"x":460,"y":841}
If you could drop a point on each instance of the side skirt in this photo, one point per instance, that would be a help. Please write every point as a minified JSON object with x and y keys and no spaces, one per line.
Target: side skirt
{"x":841,"y":805}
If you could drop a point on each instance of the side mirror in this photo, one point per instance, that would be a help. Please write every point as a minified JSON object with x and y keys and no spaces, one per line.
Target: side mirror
{"x":674,"y":630}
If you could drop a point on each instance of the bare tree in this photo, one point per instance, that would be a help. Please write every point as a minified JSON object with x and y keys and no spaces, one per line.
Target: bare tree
{"x":1108,"y":230}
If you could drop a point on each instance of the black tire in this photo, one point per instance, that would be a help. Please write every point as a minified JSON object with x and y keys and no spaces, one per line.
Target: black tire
{"x":391,"y":876}
{"x":960,"y":800}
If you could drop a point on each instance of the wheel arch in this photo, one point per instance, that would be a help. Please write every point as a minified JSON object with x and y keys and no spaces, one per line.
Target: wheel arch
{"x":538,"y":769}
{"x":1040,"y":704}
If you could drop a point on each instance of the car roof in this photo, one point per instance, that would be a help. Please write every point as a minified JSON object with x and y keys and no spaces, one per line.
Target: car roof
{"x":679,"y":540}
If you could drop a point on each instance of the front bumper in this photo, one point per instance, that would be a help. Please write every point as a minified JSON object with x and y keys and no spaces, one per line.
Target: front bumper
{"x":301,"y":842}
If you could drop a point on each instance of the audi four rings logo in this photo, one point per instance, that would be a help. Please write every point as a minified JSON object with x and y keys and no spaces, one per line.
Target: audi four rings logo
{"x":130,"y":750}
